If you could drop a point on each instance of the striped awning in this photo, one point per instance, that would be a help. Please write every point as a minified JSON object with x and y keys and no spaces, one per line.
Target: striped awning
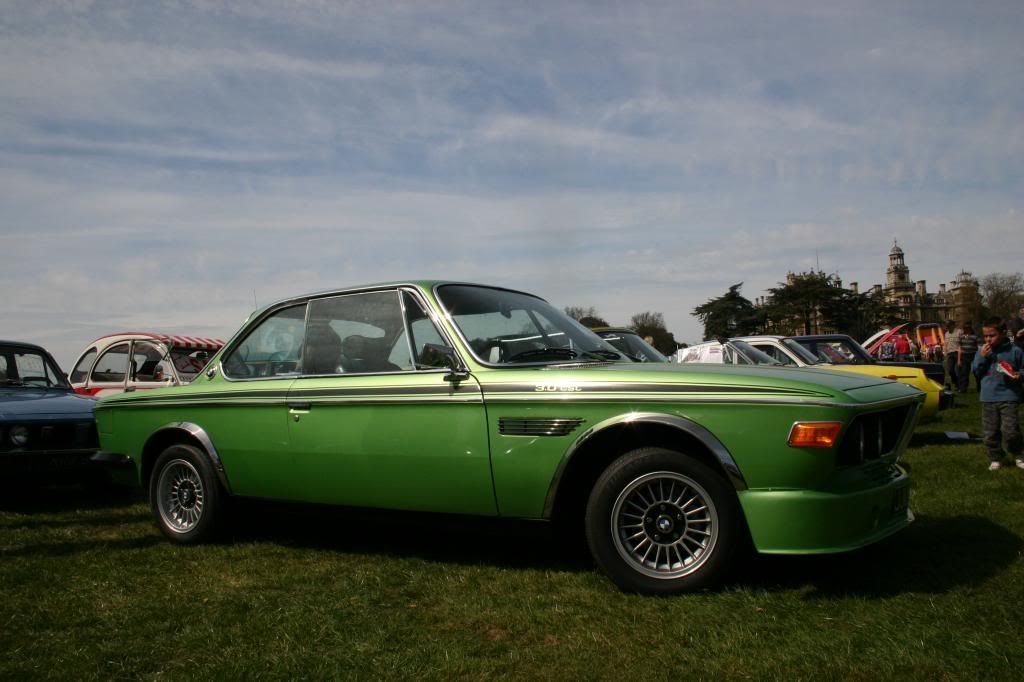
{"x":190,"y":342}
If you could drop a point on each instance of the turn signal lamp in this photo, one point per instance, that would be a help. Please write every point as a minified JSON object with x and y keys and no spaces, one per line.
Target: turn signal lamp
{"x":814,"y":434}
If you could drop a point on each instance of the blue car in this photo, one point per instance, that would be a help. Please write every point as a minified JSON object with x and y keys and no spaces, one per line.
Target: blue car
{"x":47,"y":431}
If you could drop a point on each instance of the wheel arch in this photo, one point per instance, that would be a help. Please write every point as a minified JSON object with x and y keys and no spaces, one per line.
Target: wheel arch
{"x":600,"y":445}
{"x":181,"y":433}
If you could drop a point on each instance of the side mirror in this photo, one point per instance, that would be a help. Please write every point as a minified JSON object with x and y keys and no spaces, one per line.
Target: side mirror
{"x":436,"y":355}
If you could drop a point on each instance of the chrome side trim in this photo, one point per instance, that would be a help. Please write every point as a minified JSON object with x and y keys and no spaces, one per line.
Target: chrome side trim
{"x":200,"y":435}
{"x":683,"y":424}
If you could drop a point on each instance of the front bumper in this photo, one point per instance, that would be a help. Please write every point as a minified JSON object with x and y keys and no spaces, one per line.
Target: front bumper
{"x":46,"y":463}
{"x":121,"y":468}
{"x":824,"y":522}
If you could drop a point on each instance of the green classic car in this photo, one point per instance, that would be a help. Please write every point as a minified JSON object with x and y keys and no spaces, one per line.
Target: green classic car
{"x":451,"y":397}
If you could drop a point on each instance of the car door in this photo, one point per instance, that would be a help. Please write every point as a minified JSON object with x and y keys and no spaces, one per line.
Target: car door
{"x":372,"y":423}
{"x":150,"y":366}
{"x":109,"y":373}
{"x":243,"y":410}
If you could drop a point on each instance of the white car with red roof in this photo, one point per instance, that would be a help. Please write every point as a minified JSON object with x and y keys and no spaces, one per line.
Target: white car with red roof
{"x":130,"y":361}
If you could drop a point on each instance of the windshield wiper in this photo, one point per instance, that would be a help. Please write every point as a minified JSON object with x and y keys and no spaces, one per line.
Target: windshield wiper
{"x":12,"y":382}
{"x":541,"y":352}
{"x":602,"y":354}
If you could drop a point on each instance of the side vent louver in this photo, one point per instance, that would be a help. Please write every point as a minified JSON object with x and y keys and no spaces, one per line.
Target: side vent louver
{"x":528,"y":426}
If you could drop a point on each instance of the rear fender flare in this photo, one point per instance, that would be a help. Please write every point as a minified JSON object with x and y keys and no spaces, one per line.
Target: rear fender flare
{"x":198,"y":434}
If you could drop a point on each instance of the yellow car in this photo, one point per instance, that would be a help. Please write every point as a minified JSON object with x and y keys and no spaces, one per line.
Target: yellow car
{"x":838,"y":354}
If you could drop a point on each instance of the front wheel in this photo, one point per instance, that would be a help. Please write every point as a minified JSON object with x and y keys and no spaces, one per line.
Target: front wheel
{"x":660,"y":522}
{"x":185,"y":495}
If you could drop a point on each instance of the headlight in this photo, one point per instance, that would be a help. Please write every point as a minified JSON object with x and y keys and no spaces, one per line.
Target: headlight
{"x":19,"y":436}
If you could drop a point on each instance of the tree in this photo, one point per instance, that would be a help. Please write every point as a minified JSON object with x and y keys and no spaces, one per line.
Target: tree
{"x":859,"y":315}
{"x":1002,"y":293}
{"x":653,"y":325}
{"x":728,"y":315}
{"x":805,"y":302}
{"x":588,"y":317}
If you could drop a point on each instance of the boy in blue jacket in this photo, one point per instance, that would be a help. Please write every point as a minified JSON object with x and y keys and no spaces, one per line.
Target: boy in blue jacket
{"x":997,"y":367}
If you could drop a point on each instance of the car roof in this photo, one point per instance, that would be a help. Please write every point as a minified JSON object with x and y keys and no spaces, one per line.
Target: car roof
{"x":426,"y":284}
{"x":823,"y":337}
{"x":174,"y":340}
{"x":23,"y":344}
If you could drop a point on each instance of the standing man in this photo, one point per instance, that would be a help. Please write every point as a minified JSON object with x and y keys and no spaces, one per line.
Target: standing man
{"x":951,"y":352}
{"x":968,"y":347}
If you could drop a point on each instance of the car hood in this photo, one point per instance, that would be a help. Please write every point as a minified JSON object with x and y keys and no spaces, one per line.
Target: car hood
{"x":21,"y":403}
{"x":651,"y":378}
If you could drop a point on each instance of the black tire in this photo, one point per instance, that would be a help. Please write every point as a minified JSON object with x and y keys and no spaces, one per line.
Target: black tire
{"x":662,"y":501}
{"x":185,"y":495}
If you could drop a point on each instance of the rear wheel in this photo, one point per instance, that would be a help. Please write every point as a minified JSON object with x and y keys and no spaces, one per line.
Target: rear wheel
{"x":185,"y":495}
{"x":659,"y":522}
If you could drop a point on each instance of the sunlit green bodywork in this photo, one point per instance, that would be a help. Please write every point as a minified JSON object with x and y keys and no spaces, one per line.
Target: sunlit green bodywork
{"x":514,"y":441}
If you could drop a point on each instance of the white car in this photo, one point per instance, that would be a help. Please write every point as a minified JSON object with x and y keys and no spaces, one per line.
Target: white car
{"x":132,"y":361}
{"x":730,"y":352}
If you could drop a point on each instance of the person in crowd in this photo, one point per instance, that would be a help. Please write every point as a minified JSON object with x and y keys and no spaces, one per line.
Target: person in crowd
{"x":998,"y":366}
{"x":1015,"y":328}
{"x":968,"y":347}
{"x":951,"y":352}
{"x":913,"y":348}
{"x":903,"y":348}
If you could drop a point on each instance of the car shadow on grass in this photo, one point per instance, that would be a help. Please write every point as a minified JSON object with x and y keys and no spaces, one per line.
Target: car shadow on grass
{"x":29,"y":498}
{"x":446,"y":538}
{"x":53,"y":550}
{"x":933,"y":556}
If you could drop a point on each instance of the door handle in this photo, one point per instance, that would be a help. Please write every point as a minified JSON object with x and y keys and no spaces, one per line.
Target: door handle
{"x":298,"y":408}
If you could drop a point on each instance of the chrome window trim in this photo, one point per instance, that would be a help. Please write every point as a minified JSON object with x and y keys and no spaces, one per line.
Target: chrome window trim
{"x":434,"y":320}
{"x":243,"y":333}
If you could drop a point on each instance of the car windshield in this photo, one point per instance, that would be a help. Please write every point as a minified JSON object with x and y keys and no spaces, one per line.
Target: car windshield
{"x":632,"y":345}
{"x":801,"y":352}
{"x":836,"y":351}
{"x":753,"y":355}
{"x":510,"y":328}
{"x":29,"y":368}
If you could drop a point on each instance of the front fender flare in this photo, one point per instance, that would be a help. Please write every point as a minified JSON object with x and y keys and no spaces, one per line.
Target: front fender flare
{"x":688,"y":426}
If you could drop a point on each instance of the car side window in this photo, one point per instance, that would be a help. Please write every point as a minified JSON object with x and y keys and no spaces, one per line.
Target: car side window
{"x":112,"y":365}
{"x":355,"y":334}
{"x":420,"y":331}
{"x":273,"y":348}
{"x":149,"y":362}
{"x":81,"y":370}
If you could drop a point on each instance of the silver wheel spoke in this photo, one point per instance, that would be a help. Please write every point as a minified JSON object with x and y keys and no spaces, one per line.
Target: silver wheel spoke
{"x":665,"y":525}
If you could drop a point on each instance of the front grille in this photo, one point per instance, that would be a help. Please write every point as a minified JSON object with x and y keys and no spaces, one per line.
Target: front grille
{"x":50,"y":437}
{"x":870,"y":436}
{"x":527,"y":426}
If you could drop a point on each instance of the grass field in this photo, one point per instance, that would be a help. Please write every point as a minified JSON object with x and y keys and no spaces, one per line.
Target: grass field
{"x":88,"y":589}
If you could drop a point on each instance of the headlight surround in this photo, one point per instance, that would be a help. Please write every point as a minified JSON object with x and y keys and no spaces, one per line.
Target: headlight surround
{"x":18,"y":436}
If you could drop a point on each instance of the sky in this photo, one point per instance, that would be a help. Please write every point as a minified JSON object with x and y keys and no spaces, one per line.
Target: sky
{"x":164,"y":165}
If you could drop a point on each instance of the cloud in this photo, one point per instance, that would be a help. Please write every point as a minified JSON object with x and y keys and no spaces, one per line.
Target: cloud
{"x":159,"y":162}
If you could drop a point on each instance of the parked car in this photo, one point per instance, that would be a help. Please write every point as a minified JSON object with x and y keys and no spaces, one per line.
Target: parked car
{"x":829,"y":346}
{"x":789,"y":351}
{"x":47,"y":432}
{"x":726,"y":352}
{"x":131,"y":361}
{"x":629,"y":342}
{"x":462,"y":398}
